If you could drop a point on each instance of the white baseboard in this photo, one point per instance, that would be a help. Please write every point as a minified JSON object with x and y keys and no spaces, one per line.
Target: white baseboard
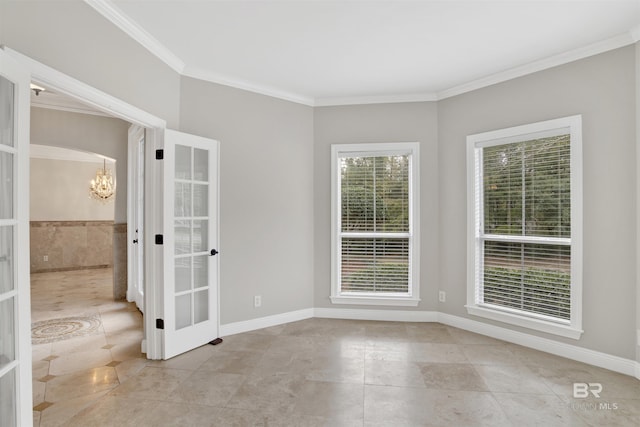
{"x":592,"y":357}
{"x":386,"y":315}
{"x":265,"y":322}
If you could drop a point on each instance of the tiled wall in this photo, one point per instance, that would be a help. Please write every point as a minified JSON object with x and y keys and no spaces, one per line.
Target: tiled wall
{"x":71,"y":245}
{"x":119,"y":261}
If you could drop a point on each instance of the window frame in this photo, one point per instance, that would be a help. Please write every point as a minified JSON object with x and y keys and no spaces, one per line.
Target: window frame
{"x":475,"y":143}
{"x":338,"y":151}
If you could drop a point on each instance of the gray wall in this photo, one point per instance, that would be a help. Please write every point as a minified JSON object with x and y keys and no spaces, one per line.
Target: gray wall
{"x":73,"y":38}
{"x":601,"y":88}
{"x":89,"y":133}
{"x":275,"y":165}
{"x":59,"y":191}
{"x":266,"y":196}
{"x":407,"y":122}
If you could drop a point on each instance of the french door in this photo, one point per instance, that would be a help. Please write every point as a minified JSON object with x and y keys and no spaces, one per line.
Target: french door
{"x":135,"y":212}
{"x":190,"y":242}
{"x":15,"y":310}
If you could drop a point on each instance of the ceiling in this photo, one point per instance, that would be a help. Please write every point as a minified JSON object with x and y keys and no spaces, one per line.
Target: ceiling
{"x":342,"y":52}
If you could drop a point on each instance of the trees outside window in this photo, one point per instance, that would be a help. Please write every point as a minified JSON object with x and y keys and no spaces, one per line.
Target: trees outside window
{"x":525,"y":225}
{"x":374,"y":204}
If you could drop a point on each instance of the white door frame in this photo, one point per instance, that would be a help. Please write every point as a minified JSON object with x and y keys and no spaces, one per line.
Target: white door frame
{"x":135,"y":207}
{"x":155,"y":127}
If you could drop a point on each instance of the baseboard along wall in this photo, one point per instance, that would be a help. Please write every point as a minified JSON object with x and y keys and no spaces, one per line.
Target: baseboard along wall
{"x":592,"y":357}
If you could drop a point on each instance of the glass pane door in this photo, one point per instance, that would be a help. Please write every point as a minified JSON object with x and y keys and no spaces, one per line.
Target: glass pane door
{"x":191,"y":230}
{"x":190,"y":248}
{"x":8,"y":291}
{"x":15,"y":307}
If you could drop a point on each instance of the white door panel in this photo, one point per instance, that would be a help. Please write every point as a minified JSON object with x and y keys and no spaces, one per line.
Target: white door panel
{"x":190,"y":243}
{"x":135,"y":220}
{"x":15,"y":309}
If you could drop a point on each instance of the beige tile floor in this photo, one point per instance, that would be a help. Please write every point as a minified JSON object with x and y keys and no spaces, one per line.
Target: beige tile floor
{"x":316,"y":372}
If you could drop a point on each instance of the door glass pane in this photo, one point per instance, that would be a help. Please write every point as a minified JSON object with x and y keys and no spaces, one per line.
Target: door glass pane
{"x":183,"y":274}
{"x":6,"y":259}
{"x":6,"y":185}
{"x":200,"y":200}
{"x":201,"y":165}
{"x":182,"y":201}
{"x":200,"y":234}
{"x":8,"y":393}
{"x":183,"y":311}
{"x":7,"y":337}
{"x":183,"y":162}
{"x":182,"y":232}
{"x":200,"y":271}
{"x":6,"y":112}
{"x":201,"y":302}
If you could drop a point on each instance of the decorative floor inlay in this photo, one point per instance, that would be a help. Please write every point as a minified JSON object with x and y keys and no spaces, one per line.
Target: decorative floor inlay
{"x":42,"y":406}
{"x":53,"y":330}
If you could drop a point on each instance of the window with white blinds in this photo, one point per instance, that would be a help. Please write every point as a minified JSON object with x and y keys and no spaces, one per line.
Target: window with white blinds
{"x":374,"y":223}
{"x":525,"y":215}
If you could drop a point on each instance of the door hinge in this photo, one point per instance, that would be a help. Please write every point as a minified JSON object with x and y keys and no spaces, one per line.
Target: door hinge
{"x":159,"y":239}
{"x":159,"y":323}
{"x":159,"y":154}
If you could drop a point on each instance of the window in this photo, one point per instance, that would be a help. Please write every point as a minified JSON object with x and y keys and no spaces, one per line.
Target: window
{"x":525,"y":226}
{"x":375,"y":246}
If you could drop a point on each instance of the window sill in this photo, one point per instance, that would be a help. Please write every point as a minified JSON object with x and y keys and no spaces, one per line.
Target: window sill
{"x":525,"y":322}
{"x":375,"y":300}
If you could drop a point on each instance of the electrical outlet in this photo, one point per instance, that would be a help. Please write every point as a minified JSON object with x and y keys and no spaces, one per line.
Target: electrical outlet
{"x":442,"y":296}
{"x":46,"y":258}
{"x":257,"y":301}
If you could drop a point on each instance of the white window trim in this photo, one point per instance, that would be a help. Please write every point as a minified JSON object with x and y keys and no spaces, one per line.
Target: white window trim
{"x":413,"y":297}
{"x":572,"y":328}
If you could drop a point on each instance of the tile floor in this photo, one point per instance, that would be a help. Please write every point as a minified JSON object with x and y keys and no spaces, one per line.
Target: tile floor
{"x":316,"y":372}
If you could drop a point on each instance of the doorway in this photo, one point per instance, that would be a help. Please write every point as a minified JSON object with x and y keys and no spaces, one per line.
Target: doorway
{"x":86,"y":339}
{"x":167,"y":308}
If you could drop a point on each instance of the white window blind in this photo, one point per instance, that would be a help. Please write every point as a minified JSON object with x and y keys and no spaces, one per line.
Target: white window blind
{"x":374,"y":245}
{"x":525,"y":258}
{"x":527,"y":195}
{"x":375,"y":223}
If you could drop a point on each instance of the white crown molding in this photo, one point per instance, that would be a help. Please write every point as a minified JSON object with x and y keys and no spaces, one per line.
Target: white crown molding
{"x":543,"y":64}
{"x":381,"y":99}
{"x":112,"y":13}
{"x":135,"y":31}
{"x":59,"y":107}
{"x":55,"y":101}
{"x":200,"y":74}
{"x":49,"y":152}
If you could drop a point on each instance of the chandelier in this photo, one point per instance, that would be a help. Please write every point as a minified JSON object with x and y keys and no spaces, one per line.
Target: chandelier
{"x":103,"y":187}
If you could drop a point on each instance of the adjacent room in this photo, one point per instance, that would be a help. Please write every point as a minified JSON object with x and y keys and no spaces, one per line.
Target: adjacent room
{"x":333,"y":213}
